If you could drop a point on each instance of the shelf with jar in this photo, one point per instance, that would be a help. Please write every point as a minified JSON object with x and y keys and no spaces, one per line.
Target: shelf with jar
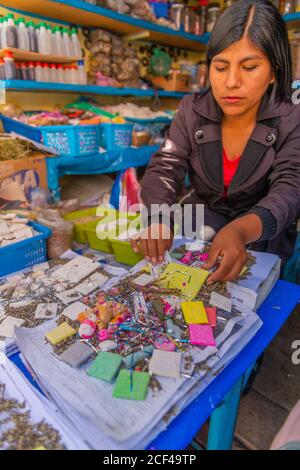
{"x":89,"y":15}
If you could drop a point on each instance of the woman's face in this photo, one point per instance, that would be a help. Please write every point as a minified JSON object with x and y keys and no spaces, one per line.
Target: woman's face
{"x":239,"y":77}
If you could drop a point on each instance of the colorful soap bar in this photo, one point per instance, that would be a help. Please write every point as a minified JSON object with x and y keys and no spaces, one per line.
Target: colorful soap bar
{"x":60,"y":333}
{"x":184,"y":278}
{"x":76,"y":354}
{"x":131,"y":385}
{"x":201,"y":335}
{"x":194,"y":313}
{"x":105,"y":366}
{"x":211,"y":313}
{"x":165,"y":364}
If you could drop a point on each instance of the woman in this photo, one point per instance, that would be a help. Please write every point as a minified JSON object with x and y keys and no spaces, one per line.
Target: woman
{"x":239,"y":143}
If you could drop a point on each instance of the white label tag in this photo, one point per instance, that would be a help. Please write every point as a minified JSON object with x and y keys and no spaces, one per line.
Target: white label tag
{"x":220,"y":301}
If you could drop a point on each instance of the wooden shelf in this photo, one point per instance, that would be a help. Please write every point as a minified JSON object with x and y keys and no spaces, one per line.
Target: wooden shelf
{"x":27,"y":85}
{"x":292,"y":20}
{"x":27,"y":56}
{"x":84,"y":14}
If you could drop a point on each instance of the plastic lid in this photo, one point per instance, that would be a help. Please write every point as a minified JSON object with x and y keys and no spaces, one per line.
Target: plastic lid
{"x":43,"y":24}
{"x":48,"y":26}
{"x":45,"y":64}
{"x":65,"y":30}
{"x":52,"y":66}
{"x":59,"y":66}
{"x":31,"y":64}
{"x":80,"y":62}
{"x":73,"y":30}
{"x":203,"y":3}
{"x":38,"y":64}
{"x":21,"y":20}
{"x":10,"y":15}
{"x":8,"y":54}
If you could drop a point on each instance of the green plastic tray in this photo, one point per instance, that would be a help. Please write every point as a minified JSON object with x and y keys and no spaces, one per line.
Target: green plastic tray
{"x":124,"y":253}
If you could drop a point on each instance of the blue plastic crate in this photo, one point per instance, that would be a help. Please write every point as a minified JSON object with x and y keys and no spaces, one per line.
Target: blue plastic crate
{"x":116,"y":135}
{"x":69,"y":141}
{"x":160,"y":10}
{"x":11,"y":125}
{"x":26,"y":253}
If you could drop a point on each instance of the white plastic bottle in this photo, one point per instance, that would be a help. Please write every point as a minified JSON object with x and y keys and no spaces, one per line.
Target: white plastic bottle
{"x":39,"y":72}
{"x":31,"y":71}
{"x":67,"y":43}
{"x":53,"y":73}
{"x":46,"y":77}
{"x":43,"y":39}
{"x":49,"y":39}
{"x":10,"y":69}
{"x":33,"y":44}
{"x":76,"y":44}
{"x":82,"y":76}
{"x":59,"y":46}
{"x":23,"y":36}
{"x":1,"y":27}
{"x":9,"y":37}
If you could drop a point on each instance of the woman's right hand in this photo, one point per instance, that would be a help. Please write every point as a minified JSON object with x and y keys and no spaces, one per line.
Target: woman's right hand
{"x":153,"y":242}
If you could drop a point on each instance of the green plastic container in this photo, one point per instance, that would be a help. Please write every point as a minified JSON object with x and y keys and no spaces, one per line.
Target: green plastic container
{"x":79,"y":229}
{"x":124,"y":253}
{"x":105,"y":245}
{"x":79,"y":233}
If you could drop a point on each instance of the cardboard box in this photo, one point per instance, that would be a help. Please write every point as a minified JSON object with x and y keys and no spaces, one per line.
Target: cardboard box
{"x":22,"y":180}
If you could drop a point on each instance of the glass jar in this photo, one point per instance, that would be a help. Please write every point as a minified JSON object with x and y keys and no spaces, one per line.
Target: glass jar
{"x":176,"y":15}
{"x":213,"y":13}
{"x":297,"y":5}
{"x":188,"y":19}
{"x":200,"y":18}
{"x":288,"y":7}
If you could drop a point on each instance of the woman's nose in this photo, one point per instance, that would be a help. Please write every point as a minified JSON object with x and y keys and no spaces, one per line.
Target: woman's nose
{"x":233,"y":79}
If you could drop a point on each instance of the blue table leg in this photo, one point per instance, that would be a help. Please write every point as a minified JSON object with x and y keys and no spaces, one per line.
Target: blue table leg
{"x":223,"y":419}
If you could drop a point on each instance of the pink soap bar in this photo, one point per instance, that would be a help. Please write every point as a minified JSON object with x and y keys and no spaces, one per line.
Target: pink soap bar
{"x":211,"y":313}
{"x":103,"y":335}
{"x":165,"y":345}
{"x":203,"y":256}
{"x":187,"y":257}
{"x":201,"y":335}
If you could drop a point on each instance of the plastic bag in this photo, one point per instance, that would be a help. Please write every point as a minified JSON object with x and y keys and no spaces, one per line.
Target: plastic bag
{"x":61,"y":239}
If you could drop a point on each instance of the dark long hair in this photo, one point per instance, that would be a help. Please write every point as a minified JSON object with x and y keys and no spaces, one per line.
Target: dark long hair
{"x":267,"y":31}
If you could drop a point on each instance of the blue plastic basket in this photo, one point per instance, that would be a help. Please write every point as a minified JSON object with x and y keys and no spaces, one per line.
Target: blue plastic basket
{"x":26,"y":253}
{"x":69,"y":141}
{"x":116,"y":135}
{"x":161,"y":10}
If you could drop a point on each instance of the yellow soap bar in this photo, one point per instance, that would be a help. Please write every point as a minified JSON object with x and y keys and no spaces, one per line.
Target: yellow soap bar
{"x":60,"y":333}
{"x":184,"y":278}
{"x":40,"y":448}
{"x":194,"y":313}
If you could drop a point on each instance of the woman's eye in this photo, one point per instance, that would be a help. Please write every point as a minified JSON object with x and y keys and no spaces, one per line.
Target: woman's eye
{"x":249,"y":68}
{"x":220,"y":69}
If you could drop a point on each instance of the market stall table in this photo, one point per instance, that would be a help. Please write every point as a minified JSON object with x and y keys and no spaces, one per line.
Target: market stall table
{"x":220,"y":400}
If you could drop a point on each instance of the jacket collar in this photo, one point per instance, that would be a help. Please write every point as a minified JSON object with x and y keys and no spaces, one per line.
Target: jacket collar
{"x":206,"y":106}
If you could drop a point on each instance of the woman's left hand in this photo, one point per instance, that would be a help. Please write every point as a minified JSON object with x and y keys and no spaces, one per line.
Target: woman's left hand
{"x":228,"y":247}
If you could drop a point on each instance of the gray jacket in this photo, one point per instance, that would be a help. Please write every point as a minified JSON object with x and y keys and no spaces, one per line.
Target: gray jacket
{"x":267,"y":181}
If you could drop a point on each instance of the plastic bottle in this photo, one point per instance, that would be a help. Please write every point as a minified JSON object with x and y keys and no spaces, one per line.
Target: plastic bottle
{"x":39,"y":72}
{"x":23,"y":36}
{"x":53,"y":73}
{"x":33,"y":44}
{"x":82,"y":77}
{"x":59,"y":49}
{"x":23,"y":71}
{"x":1,"y":27}
{"x":9,"y":66}
{"x":67,"y":78}
{"x":43,"y":39}
{"x":46,"y":77}
{"x":76,"y":43}
{"x":37,"y":33}
{"x":2,"y":74}
{"x":49,"y":39}
{"x":59,"y":73}
{"x":74,"y":77}
{"x":67,"y":43}
{"x":9,"y":32}
{"x":31,"y":71}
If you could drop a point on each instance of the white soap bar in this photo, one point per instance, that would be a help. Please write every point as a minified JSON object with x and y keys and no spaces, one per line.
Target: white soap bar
{"x":76,"y":269}
{"x":143,"y":280}
{"x":92,"y":283}
{"x":220,"y":301}
{"x":7,"y":327}
{"x":73,"y":310}
{"x":45,"y":311}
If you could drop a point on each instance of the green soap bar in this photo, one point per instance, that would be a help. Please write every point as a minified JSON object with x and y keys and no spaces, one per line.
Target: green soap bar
{"x":105,"y":366}
{"x":140,"y":383}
